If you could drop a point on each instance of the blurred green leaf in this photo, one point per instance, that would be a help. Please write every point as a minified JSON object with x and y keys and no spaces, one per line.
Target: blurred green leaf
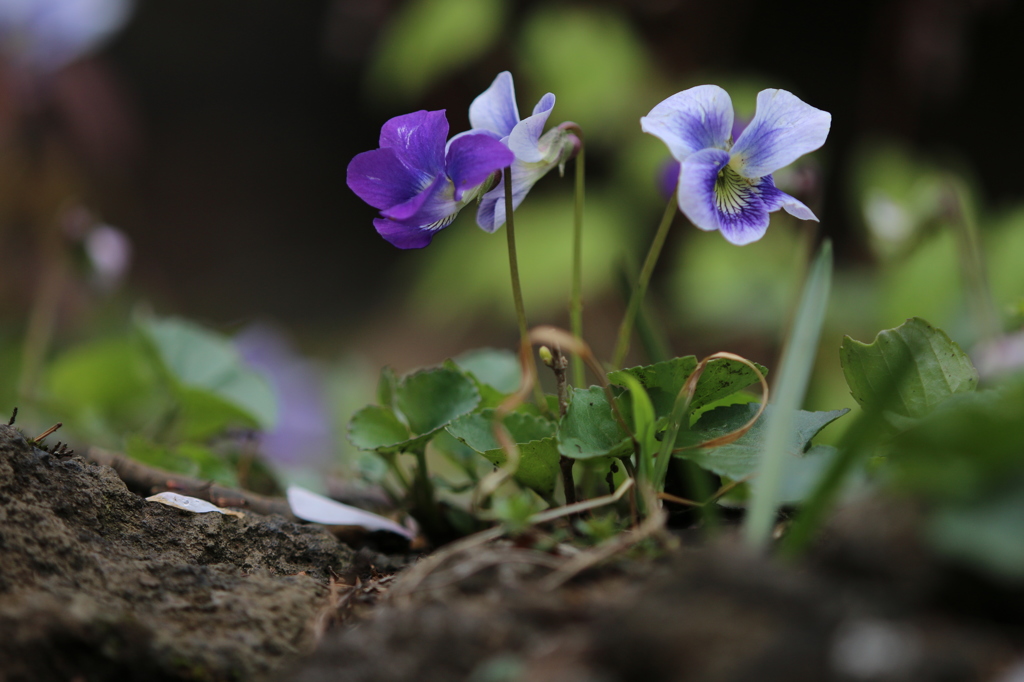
{"x":544,"y":243}
{"x":644,"y":422}
{"x":429,"y":39}
{"x":387,"y":386}
{"x":208,"y":374}
{"x":742,"y":457}
{"x":538,"y":454}
{"x":989,"y":534}
{"x":593,"y":60}
{"x":927,"y":364}
{"x":497,"y":368}
{"x":190,"y":459}
{"x":111,"y":384}
{"x":750,"y":289}
{"x":589,"y":428}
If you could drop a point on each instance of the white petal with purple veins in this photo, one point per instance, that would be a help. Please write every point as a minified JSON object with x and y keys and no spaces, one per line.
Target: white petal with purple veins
{"x":692,"y":120}
{"x":783,"y":129}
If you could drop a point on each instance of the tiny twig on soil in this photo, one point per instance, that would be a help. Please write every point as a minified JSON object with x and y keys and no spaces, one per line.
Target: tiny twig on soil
{"x":142,"y":477}
{"x":14,"y":415}
{"x":39,"y":439}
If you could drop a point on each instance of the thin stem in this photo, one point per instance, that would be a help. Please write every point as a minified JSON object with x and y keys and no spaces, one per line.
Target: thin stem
{"x":626,"y":328}
{"x":517,"y":289}
{"x":576,"y":300}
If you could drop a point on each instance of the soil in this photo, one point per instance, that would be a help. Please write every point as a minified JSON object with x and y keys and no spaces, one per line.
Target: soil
{"x":98,"y":584}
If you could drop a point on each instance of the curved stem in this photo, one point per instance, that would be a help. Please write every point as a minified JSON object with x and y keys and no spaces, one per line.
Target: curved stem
{"x":517,"y":289}
{"x":626,"y":328}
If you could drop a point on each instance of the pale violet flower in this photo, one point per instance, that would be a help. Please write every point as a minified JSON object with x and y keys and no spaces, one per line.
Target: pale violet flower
{"x":45,"y":35}
{"x":725,"y":185}
{"x":495,"y":111}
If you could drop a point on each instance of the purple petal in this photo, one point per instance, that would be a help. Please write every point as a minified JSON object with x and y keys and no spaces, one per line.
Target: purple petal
{"x":774,"y":199}
{"x":472,"y":159}
{"x":692,"y":120}
{"x":668,"y":178}
{"x":403,"y":236}
{"x":381,"y":179}
{"x":419,"y":138}
{"x":523,"y":138}
{"x":784,"y":128}
{"x":495,"y":109}
{"x":714,"y":197}
{"x":432,"y":209}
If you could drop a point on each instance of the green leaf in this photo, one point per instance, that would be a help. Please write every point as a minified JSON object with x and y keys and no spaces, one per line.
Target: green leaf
{"x":538,"y":452}
{"x":378,"y":428}
{"x":387,"y":386}
{"x":742,"y":457}
{"x":643,"y":425}
{"x":431,"y":398}
{"x":923,"y":364}
{"x":107,"y":387}
{"x":493,"y":367}
{"x":797,"y":360}
{"x":589,"y":428}
{"x":663,"y":380}
{"x":190,"y":459}
{"x":200,"y":361}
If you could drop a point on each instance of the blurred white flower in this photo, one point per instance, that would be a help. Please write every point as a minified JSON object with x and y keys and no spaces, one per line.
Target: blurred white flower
{"x":110,"y":253}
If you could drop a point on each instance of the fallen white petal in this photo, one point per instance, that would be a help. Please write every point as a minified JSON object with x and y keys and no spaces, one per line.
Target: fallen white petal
{"x":309,"y":506}
{"x":192,"y":504}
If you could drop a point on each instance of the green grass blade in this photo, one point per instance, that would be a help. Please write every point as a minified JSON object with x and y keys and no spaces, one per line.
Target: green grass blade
{"x":797,"y":360}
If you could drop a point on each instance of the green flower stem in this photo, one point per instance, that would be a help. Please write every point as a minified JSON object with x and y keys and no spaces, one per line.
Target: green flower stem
{"x":576,"y":297}
{"x":626,"y":328}
{"x":517,"y":289}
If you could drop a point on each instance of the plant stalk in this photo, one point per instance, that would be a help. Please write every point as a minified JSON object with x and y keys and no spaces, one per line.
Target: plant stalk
{"x":576,"y":299}
{"x":517,"y":289}
{"x":626,"y":328}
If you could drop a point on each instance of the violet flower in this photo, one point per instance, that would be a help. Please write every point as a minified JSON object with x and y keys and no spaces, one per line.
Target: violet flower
{"x":536,"y":152}
{"x":419,"y":182}
{"x":725,"y":185}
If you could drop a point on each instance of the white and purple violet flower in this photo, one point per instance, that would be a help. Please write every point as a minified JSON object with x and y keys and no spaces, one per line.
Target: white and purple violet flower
{"x":495,"y":112}
{"x":418,"y":181}
{"x":725,"y":185}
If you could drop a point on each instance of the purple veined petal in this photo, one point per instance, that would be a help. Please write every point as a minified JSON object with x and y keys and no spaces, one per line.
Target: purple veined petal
{"x":495,"y":108}
{"x":381,"y":179}
{"x":474,"y":131}
{"x":691,"y":120}
{"x":668,"y":178}
{"x":419,"y":138}
{"x":774,"y":199}
{"x":523,"y":138}
{"x":433,"y":209}
{"x":403,"y":236}
{"x":715,"y":197}
{"x":472,"y":159}
{"x":783,"y":129}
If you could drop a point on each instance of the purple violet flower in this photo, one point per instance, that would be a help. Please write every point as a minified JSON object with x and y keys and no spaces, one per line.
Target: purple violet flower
{"x":495,"y":111}
{"x":418,"y":182}
{"x":725,"y":185}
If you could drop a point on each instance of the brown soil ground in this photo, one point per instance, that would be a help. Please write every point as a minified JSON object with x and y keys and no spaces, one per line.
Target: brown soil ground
{"x":98,"y":584}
